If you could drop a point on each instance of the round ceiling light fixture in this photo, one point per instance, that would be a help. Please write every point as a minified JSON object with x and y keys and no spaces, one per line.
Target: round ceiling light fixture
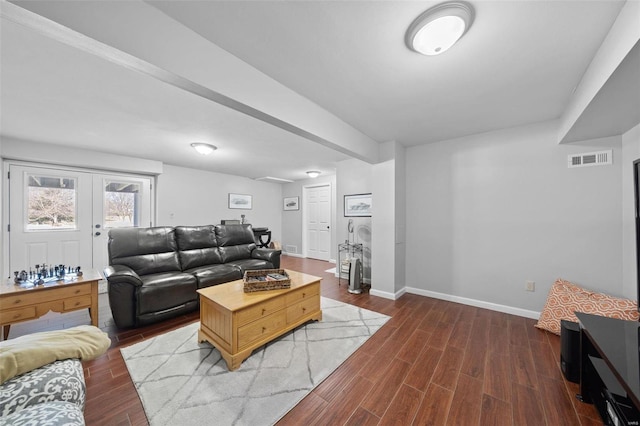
{"x":313,"y":173}
{"x":203,"y":148}
{"x":439,"y":28}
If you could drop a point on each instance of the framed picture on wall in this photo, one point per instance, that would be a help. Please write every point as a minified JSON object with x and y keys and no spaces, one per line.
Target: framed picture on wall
{"x":240,"y":201}
{"x":291,"y":203}
{"x":357,"y":205}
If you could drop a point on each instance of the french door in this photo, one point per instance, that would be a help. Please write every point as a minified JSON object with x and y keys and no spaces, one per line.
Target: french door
{"x":61,"y":216}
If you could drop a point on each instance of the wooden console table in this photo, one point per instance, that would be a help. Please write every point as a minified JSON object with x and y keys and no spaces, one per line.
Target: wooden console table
{"x":19,"y":304}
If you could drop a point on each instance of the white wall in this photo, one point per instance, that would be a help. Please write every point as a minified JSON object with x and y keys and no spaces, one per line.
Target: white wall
{"x":486,"y":213}
{"x":354,"y":177}
{"x":383,"y":227}
{"x":292,"y":219}
{"x":388,"y":223}
{"x":630,"y":153}
{"x":400,"y":217}
{"x":198,"y":197}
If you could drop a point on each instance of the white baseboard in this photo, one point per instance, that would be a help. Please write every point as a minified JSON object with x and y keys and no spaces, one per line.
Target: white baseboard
{"x":292,"y":254}
{"x":457,"y":299}
{"x":473,"y":302}
{"x":386,"y":294}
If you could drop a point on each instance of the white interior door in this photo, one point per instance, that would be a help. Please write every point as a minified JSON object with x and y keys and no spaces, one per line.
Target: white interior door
{"x":49,"y":217}
{"x":119,"y":201}
{"x":318,"y":221}
{"x":64,"y":216}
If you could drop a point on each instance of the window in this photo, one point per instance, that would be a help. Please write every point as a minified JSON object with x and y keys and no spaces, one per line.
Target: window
{"x":121,"y":204}
{"x":51,"y":203}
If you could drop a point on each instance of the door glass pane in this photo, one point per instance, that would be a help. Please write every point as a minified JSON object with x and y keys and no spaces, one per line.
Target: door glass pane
{"x":51,"y":203}
{"x":121,"y":204}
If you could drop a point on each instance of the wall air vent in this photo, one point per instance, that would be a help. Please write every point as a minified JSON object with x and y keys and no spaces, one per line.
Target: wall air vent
{"x":599,"y":158}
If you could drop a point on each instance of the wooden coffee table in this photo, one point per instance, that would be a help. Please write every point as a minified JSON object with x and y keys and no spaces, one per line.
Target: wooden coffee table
{"x":19,"y":304}
{"x":236,"y":322}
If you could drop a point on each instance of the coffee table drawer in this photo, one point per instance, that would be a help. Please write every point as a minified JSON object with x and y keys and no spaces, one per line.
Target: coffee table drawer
{"x":16,"y":315}
{"x":302,"y":309}
{"x":261,"y":310}
{"x":304,"y":293}
{"x":261,"y":329}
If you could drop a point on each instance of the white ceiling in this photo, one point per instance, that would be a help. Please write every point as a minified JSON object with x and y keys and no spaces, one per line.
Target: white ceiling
{"x":518,"y":64}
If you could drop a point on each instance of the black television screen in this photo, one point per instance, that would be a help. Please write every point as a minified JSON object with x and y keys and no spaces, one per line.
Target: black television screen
{"x":636,"y":190}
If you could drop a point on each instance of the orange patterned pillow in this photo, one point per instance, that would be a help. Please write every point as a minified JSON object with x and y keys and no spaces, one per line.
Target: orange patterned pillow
{"x":565,"y":298}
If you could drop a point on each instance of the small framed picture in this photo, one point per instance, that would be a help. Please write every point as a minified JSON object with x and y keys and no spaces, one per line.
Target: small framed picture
{"x":240,"y":201}
{"x":291,"y":203}
{"x":357,"y":205}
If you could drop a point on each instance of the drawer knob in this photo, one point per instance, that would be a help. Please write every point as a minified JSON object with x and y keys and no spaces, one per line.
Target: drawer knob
{"x":16,"y":316}
{"x":264,"y":329}
{"x":304,"y":294}
{"x":263,"y":311}
{"x":18,"y":301}
{"x":304,"y":309}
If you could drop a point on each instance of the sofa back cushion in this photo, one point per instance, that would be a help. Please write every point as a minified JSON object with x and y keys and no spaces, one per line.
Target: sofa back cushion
{"x":145,"y":250}
{"x":235,"y":241}
{"x":197,"y":246}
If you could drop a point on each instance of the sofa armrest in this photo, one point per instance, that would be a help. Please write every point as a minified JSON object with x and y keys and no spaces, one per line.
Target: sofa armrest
{"x":122,"y":274}
{"x":123,"y":286}
{"x":270,"y":255}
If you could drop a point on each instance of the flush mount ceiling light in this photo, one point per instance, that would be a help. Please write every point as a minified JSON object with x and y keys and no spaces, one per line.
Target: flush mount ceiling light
{"x":439,"y":28}
{"x":203,"y":148}
{"x":313,"y":173}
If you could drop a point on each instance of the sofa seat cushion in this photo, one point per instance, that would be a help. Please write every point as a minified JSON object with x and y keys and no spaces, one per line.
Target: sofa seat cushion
{"x":216,"y":274}
{"x":55,"y":413}
{"x":167,"y":290}
{"x":251,"y":264}
{"x":58,"y":381}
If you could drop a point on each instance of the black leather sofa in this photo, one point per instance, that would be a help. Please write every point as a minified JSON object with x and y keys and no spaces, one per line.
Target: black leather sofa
{"x":153,"y":273}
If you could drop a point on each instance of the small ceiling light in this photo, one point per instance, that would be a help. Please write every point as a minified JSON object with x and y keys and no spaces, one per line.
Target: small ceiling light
{"x":439,"y":28}
{"x":204,"y":148}
{"x":313,"y":173}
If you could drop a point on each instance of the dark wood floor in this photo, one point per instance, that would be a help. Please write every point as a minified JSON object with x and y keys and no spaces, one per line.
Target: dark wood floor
{"x":433,"y":363}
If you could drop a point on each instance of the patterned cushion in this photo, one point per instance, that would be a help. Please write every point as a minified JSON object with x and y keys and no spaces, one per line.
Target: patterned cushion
{"x":565,"y":298}
{"x":58,"y":381}
{"x":56,"y":413}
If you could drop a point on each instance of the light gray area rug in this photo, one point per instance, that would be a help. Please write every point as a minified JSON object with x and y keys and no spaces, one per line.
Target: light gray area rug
{"x":181,"y":381}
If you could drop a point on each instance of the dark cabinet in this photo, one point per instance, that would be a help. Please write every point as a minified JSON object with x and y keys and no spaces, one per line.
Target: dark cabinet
{"x":610,"y":368}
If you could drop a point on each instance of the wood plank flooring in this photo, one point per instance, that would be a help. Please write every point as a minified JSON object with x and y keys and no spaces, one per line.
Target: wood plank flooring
{"x":433,"y":363}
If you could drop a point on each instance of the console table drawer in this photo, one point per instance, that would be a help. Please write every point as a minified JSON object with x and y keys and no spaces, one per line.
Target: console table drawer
{"x":77,"y":303}
{"x":261,"y":310}
{"x":16,"y":315}
{"x":45,"y":295}
{"x":261,"y":329}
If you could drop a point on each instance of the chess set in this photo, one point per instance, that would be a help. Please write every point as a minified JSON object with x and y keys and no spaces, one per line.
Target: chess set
{"x":43,"y":274}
